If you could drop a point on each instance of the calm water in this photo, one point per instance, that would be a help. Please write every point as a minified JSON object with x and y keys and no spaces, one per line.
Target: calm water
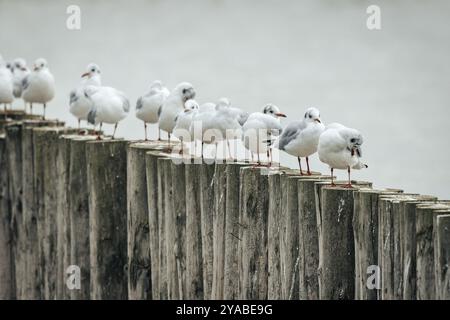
{"x":392,"y":84}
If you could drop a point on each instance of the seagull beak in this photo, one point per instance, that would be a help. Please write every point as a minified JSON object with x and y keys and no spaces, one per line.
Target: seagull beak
{"x":317,"y":120}
{"x":279,"y":114}
{"x":23,"y":69}
{"x":85,"y":74}
{"x":35,"y":68}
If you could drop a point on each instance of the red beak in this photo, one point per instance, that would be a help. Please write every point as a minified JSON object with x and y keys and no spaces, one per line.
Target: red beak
{"x":279,"y":114}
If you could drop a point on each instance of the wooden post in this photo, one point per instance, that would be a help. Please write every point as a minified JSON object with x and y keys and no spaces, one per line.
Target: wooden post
{"x":308,"y":238}
{"x":207,"y":211}
{"x":46,"y":144}
{"x":220,"y":195}
{"x":425,"y":272}
{"x":254,"y":214}
{"x":14,"y":165}
{"x":33,"y":280}
{"x":194,"y":268}
{"x":62,"y":217}
{"x":106,"y":162}
{"x":289,"y":250}
{"x":366,"y":232}
{"x":273,"y":237}
{"x":139,"y":269}
{"x":155,"y":197}
{"x":336,"y":244}
{"x":178,"y":226}
{"x":7,"y":286}
{"x":232,"y":230}
{"x":441,"y":240}
{"x":77,"y":218}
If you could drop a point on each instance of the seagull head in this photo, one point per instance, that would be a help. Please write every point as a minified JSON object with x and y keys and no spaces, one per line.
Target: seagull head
{"x":185,"y":90}
{"x":190,"y":106}
{"x":40,"y":64}
{"x":312,"y":115}
{"x":157,"y":84}
{"x":20,"y":63}
{"x":273,"y":110}
{"x":91,"y":70}
{"x":354,"y":141}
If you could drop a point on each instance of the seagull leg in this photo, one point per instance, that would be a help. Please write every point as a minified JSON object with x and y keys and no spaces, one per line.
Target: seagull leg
{"x":332,"y":179}
{"x":217,"y":151}
{"x":31,"y":108}
{"x":300,"y":165}
{"x":159,"y":134}
{"x":145,"y":130}
{"x":99,"y":137}
{"x":229,"y":150}
{"x":307,"y":164}
{"x":43,"y":116}
{"x":181,"y":148}
{"x":114,"y":132}
{"x":201,"y":149}
{"x":169,"y":148}
{"x":349,"y":185}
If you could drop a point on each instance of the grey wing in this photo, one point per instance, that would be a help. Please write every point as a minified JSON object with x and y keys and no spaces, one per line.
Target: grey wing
{"x":91,"y":116}
{"x":126,"y":104}
{"x":289,"y":134}
{"x":139,"y":103}
{"x":73,"y":96}
{"x":25,"y":83}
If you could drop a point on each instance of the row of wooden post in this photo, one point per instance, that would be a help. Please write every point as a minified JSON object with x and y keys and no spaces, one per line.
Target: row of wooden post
{"x":142,"y":224}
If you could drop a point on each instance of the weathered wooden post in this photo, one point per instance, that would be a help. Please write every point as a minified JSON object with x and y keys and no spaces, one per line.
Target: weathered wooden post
{"x":62,"y":217}
{"x":194,"y":267}
{"x":106,"y":177}
{"x":365,"y":228}
{"x":273,"y":237}
{"x":441,"y":240}
{"x":77,"y":219}
{"x":7,"y":285}
{"x":220,"y":195}
{"x":46,"y":150}
{"x":155,"y":197}
{"x":336,"y":242}
{"x":33,"y":280}
{"x":425,"y":271}
{"x":308,"y":237}
{"x":139,"y":269}
{"x":207,"y":212}
{"x":178,"y":225}
{"x":232,"y":228}
{"x":254,"y":215}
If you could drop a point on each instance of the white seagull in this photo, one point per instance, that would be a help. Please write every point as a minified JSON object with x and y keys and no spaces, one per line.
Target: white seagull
{"x":39,"y":85}
{"x":183,"y":122}
{"x":6,"y":84}
{"x":20,"y":71}
{"x":80,"y":104}
{"x":340,"y":148}
{"x":259,"y":130}
{"x":300,"y":138}
{"x":214,"y":124}
{"x":149,"y":106}
{"x":109,"y":105}
{"x":173,"y":105}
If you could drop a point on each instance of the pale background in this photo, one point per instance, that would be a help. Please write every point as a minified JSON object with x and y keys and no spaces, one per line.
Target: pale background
{"x":392,"y":84}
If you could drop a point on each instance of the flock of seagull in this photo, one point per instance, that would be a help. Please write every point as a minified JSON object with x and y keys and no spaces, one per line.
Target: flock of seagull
{"x":177,"y":113}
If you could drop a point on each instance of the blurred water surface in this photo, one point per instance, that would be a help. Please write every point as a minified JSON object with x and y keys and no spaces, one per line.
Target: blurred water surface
{"x":392,"y":84}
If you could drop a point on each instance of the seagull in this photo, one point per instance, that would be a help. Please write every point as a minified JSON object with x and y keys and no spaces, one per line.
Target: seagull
{"x":80,"y":104}
{"x":20,"y":71}
{"x":259,"y":129}
{"x":300,"y":138}
{"x":340,"y":148}
{"x":39,"y":85}
{"x":215,"y":124}
{"x":109,"y":105}
{"x":173,"y":105}
{"x":149,"y":106}
{"x":6,"y":84}
{"x":184,"y":120}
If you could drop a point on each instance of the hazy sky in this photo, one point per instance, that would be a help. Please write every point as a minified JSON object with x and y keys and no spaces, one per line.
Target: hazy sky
{"x":391,"y":84}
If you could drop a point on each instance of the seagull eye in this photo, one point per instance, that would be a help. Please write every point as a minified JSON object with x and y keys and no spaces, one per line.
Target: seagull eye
{"x":184,"y":91}
{"x":93,"y":69}
{"x":310,"y":116}
{"x":353,"y":140}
